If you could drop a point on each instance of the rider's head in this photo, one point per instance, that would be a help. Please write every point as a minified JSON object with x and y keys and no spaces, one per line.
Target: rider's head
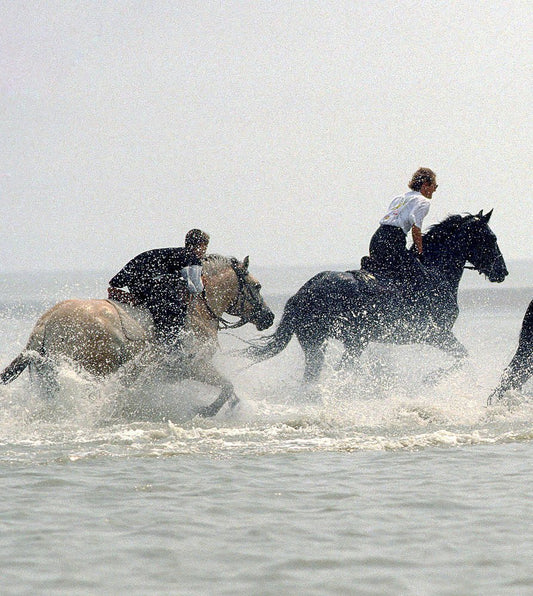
{"x":196,"y":241}
{"x":424,"y":181}
{"x":422,"y":176}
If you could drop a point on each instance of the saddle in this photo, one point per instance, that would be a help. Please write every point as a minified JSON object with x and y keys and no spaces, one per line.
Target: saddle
{"x":384,"y":278}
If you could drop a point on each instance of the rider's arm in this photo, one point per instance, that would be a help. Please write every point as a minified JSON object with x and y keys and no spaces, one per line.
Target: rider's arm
{"x":417,"y":238}
{"x":419,"y":212}
{"x":193,"y":276}
{"x":119,"y":280}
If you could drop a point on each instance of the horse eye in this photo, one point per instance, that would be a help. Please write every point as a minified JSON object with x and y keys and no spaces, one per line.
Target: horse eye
{"x":258,"y":286}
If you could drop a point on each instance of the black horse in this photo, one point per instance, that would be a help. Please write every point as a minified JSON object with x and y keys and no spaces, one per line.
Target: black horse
{"x":358,"y":307}
{"x":520,"y":368}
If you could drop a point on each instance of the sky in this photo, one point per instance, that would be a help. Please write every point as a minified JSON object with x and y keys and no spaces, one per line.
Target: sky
{"x":281,"y":128}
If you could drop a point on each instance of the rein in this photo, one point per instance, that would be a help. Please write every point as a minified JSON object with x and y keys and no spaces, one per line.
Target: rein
{"x":222,"y":322}
{"x":496,"y":259}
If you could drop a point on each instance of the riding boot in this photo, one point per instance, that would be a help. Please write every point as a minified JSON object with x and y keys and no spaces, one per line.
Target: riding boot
{"x":169,"y":318}
{"x":169,"y":330}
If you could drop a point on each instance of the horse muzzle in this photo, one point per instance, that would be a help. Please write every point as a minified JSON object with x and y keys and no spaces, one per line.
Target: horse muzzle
{"x":264,"y":320}
{"x":497,"y":278}
{"x":498,"y":272}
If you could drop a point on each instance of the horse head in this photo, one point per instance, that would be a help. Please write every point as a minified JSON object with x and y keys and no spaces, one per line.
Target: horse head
{"x":482,"y":249}
{"x":249,"y":305}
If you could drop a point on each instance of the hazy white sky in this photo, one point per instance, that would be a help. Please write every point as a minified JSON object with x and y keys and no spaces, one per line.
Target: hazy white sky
{"x":282,"y":128}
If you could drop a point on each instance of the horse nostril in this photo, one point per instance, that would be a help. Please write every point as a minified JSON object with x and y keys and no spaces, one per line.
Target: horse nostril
{"x":498,"y":277}
{"x":265,"y":321}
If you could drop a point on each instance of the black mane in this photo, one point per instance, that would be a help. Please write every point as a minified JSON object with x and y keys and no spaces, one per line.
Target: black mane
{"x":447,"y":228}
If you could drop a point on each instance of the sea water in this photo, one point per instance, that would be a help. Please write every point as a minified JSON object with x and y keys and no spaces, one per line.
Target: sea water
{"x":372,"y":483}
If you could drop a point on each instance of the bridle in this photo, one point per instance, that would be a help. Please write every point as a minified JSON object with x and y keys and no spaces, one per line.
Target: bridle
{"x":244,"y":294}
{"x":485,"y":271}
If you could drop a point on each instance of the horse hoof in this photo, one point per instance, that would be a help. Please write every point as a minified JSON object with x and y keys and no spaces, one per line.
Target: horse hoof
{"x":214,"y":408}
{"x":207,"y":411}
{"x":433,"y":378}
{"x":234,"y":403}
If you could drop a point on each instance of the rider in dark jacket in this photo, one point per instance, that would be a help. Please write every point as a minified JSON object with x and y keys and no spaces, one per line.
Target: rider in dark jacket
{"x":163,"y":280}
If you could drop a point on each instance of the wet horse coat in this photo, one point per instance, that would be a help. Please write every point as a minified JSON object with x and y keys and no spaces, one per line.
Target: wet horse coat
{"x":520,"y":369}
{"x":102,"y":336}
{"x":359,"y":307}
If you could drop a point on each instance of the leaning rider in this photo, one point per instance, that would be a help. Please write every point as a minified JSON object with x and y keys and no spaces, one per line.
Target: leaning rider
{"x":388,"y":250}
{"x":164,"y":281}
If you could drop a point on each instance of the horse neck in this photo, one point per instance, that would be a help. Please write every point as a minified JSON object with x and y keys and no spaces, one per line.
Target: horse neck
{"x":446,"y":260}
{"x":220,"y":290}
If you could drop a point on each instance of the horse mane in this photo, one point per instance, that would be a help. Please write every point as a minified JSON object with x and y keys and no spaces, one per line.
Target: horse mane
{"x":444,"y":230}
{"x":214,"y":263}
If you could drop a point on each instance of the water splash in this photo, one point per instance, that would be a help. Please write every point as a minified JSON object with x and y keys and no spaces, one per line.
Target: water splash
{"x":347,"y":411}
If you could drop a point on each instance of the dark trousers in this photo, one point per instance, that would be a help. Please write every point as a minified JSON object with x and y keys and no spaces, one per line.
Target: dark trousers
{"x":388,"y":249}
{"x":389,"y":252}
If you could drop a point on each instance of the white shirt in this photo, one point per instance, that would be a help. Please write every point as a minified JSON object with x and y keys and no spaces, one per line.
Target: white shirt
{"x":407,"y":210}
{"x":193,"y":276}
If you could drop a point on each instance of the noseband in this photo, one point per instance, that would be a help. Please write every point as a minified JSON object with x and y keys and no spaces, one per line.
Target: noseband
{"x":243,"y":295}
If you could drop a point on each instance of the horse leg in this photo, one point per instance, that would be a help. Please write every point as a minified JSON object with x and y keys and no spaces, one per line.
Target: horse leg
{"x":43,"y":374}
{"x":209,"y":375}
{"x":227,"y":394}
{"x":352,"y":352}
{"x":453,"y":347}
{"x":517,"y":373}
{"x":314,"y":353}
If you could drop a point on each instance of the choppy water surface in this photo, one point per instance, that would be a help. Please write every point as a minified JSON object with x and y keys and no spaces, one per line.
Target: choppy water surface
{"x":371,"y":484}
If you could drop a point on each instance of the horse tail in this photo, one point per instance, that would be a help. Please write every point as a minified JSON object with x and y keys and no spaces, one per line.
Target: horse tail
{"x":270,"y":345}
{"x":13,"y":370}
{"x":32,"y":354}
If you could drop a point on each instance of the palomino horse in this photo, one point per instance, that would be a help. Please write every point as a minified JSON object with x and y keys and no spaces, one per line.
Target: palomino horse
{"x":359,"y":307}
{"x":102,"y":336}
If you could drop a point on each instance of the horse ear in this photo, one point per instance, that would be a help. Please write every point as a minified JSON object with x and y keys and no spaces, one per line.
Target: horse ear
{"x":245,"y":263}
{"x":480,"y":214}
{"x":486,"y":217}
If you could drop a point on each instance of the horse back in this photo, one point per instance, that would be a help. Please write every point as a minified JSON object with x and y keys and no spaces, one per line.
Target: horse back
{"x":332,"y":291}
{"x":98,"y":334}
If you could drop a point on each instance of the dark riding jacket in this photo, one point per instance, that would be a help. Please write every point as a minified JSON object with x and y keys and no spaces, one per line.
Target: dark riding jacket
{"x":140,"y":274}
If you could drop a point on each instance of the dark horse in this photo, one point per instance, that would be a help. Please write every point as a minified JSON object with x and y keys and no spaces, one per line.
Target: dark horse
{"x":520,"y":368}
{"x":358,"y":307}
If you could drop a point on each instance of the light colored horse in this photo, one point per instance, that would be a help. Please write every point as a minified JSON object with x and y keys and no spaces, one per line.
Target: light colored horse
{"x":104,"y":337}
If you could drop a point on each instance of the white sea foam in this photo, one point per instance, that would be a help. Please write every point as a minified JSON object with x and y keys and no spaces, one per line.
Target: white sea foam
{"x":381,"y":405}
{"x":345,"y":412}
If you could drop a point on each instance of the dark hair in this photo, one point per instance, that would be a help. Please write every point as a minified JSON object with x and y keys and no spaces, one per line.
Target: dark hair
{"x":421,"y":177}
{"x":196,"y":238}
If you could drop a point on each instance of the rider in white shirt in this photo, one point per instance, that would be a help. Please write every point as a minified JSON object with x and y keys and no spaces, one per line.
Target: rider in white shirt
{"x":388,"y":250}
